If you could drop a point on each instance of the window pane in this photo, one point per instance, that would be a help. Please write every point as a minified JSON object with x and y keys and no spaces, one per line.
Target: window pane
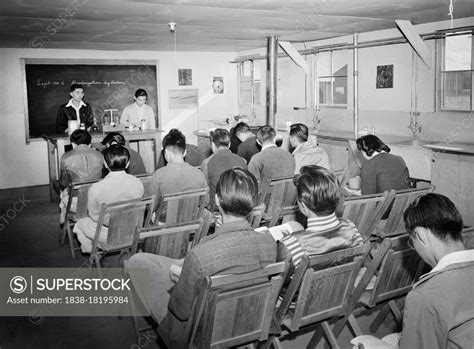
{"x":340,"y":90}
{"x":323,"y":64}
{"x":457,"y":53}
{"x":325,"y":90}
{"x":245,"y":92}
{"x":457,"y":90}
{"x":246,"y":71}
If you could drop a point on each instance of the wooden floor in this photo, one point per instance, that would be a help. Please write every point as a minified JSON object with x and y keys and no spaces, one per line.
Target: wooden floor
{"x":29,"y":238}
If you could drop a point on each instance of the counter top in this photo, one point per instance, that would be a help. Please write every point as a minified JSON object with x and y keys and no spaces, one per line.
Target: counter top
{"x":349,"y":136}
{"x":462,"y":148}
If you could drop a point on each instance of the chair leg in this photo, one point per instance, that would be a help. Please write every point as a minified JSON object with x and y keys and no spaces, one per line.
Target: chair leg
{"x":383,"y":313}
{"x":331,"y":338}
{"x":354,"y":326}
{"x":395,"y":311}
{"x":316,"y":338}
{"x":70,"y":237}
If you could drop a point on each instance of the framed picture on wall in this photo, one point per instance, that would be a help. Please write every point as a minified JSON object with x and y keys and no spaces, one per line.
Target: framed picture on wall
{"x":217,"y":85}
{"x":185,"y":77}
{"x":384,"y":76}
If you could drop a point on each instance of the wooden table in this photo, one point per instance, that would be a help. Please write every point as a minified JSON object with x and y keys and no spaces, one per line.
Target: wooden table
{"x":147,"y":143}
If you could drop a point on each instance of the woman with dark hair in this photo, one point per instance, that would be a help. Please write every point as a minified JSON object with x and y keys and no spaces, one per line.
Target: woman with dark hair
{"x":382,"y":171}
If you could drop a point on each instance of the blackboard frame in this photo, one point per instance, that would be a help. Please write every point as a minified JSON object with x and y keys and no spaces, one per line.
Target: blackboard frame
{"x":59,"y":62}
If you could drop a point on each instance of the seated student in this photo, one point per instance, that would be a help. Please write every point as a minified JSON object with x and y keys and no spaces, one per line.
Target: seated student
{"x":134,"y":114}
{"x":80,"y":164}
{"x":137,"y":167}
{"x":194,"y":156}
{"x":306,"y":153}
{"x":221,"y":160}
{"x":249,"y":146}
{"x":116,"y":186}
{"x":272,"y":162}
{"x":382,"y":171}
{"x":177,"y":175}
{"x":439,"y":311}
{"x":234,"y":248}
{"x":318,"y":196}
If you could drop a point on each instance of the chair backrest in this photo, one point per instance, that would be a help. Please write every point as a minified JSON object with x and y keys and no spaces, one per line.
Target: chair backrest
{"x":321,"y":287}
{"x":78,"y":190}
{"x":146,"y":180}
{"x":366,"y":211}
{"x":170,"y":240}
{"x":277,"y":194}
{"x":400,"y":269}
{"x":394,"y":224}
{"x":256,"y":215}
{"x":233,"y":310}
{"x":185,"y":206}
{"x":124,"y":219}
{"x":468,"y":238}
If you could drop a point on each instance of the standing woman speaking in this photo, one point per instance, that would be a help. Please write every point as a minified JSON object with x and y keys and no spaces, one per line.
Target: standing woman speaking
{"x":382,"y":171}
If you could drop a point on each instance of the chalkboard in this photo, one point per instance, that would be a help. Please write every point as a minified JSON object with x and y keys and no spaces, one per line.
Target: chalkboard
{"x":107,"y":85}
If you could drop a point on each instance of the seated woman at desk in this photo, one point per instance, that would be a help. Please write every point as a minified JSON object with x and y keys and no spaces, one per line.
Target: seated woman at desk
{"x":134,"y":113}
{"x":382,"y":171}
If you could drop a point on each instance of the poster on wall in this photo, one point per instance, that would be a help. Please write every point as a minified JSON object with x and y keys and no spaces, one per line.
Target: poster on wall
{"x":185,"y":77}
{"x":183,"y":99}
{"x":218,"y":85}
{"x":384,"y":76}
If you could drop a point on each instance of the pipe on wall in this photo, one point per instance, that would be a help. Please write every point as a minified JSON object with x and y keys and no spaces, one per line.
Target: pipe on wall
{"x":272,"y":47}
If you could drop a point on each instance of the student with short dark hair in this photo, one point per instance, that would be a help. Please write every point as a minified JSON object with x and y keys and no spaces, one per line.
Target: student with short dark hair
{"x":271,"y":162}
{"x":318,"y":196}
{"x":133,"y":114}
{"x":305,"y":152}
{"x":116,"y":186}
{"x":75,"y":109}
{"x":80,"y":164}
{"x":248,"y":146}
{"x":382,"y":171}
{"x":234,"y":248}
{"x":221,"y":160}
{"x":439,"y":311}
{"x":136,"y":167}
{"x":177,"y":175}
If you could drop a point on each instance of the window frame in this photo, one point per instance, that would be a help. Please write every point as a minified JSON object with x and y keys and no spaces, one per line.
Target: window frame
{"x":441,"y":73}
{"x":332,"y":78}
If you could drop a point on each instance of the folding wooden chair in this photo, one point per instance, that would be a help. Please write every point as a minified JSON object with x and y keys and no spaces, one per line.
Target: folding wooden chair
{"x":233,"y":310}
{"x":319,"y":291}
{"x":400,"y":269}
{"x":76,"y":191}
{"x":256,"y":215}
{"x":393,"y":224}
{"x":124,"y":220}
{"x":279,"y":196}
{"x":468,"y":238}
{"x":182,"y":207}
{"x":366,"y":211}
{"x":146,"y":180}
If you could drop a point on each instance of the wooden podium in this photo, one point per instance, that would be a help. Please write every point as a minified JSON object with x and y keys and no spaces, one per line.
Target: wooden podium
{"x":146,"y":143}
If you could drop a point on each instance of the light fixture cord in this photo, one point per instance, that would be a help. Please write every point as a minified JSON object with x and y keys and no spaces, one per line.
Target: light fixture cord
{"x":451,"y":8}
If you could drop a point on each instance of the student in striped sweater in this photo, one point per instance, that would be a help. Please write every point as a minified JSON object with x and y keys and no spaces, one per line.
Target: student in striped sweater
{"x":318,"y":196}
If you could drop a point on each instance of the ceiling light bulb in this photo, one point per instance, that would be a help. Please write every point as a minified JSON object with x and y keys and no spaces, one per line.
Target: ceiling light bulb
{"x":172,"y":26}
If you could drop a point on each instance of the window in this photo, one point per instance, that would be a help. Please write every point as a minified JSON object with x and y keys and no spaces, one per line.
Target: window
{"x":331,"y":79}
{"x":456,"y":73}
{"x":249,"y":83}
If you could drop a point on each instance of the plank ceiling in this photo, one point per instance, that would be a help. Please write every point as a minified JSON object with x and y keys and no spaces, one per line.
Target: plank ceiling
{"x":203,"y":25}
